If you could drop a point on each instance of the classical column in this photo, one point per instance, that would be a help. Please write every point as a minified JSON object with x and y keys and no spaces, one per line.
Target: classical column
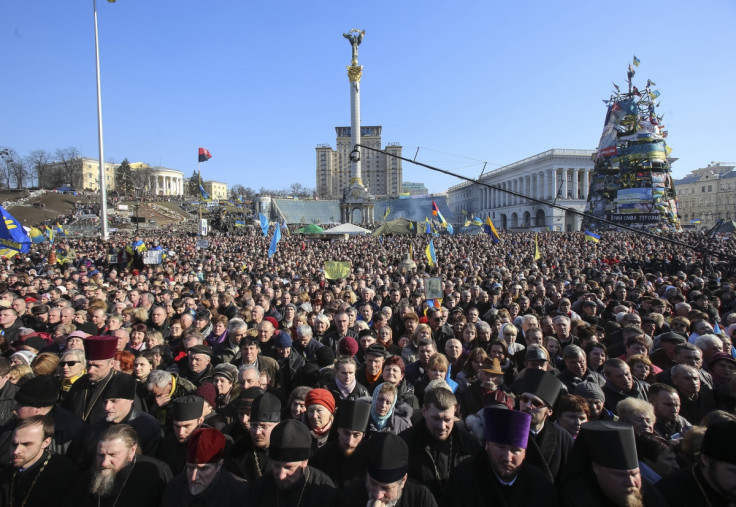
{"x":355,"y":72}
{"x":553,"y":181}
{"x":564,"y":183}
{"x":586,"y":184}
{"x":575,"y":175}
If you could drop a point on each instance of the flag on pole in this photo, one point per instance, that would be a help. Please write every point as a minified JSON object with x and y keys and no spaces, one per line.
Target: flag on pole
{"x":285,"y":228}
{"x":205,"y":195}
{"x":388,"y":210}
{"x":591,"y":236}
{"x":636,"y":61}
{"x":695,"y":221}
{"x":12,"y":234}
{"x":36,"y":235}
{"x":204,"y":155}
{"x":436,"y":212}
{"x":274,"y":241}
{"x":239,"y":223}
{"x":427,"y":229}
{"x":490,"y":229}
{"x":60,"y":230}
{"x":476,"y":221}
{"x":537,"y":255}
{"x":431,"y":255}
{"x":264,"y":224}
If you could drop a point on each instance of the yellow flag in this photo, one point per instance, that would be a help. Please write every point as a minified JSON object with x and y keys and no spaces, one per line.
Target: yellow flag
{"x":537,"y":255}
{"x":336,"y":269}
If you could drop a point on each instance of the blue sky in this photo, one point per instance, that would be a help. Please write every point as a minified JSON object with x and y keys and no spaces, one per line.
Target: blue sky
{"x":260,"y":84}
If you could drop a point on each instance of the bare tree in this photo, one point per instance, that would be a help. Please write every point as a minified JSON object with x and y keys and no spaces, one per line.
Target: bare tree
{"x":13,"y":168}
{"x":71,"y":165}
{"x":38,"y":164}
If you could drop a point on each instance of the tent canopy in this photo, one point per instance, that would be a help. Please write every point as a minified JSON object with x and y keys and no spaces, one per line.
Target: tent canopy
{"x":347,"y":229}
{"x":310,"y":229}
{"x":398,"y":226}
{"x":726,"y":226}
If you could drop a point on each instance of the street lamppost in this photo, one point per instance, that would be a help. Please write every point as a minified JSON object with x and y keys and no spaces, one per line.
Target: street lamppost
{"x":103,"y":184}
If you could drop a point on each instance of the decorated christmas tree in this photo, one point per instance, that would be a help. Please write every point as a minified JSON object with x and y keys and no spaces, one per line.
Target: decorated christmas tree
{"x":632,"y":183}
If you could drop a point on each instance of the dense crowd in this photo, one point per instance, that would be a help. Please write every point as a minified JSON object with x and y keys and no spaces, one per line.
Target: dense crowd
{"x":594,"y":374}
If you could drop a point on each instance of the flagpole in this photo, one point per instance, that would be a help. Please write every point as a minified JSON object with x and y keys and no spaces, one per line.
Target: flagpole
{"x":103,"y":185}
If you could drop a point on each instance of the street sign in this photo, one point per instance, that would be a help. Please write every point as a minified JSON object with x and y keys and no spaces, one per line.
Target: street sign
{"x":203,"y":243}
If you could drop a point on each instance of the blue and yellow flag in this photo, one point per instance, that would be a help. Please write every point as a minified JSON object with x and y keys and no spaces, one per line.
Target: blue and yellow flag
{"x":636,"y":62}
{"x":285,"y":228}
{"x":431,"y":255}
{"x":467,"y":223}
{"x":490,"y":229}
{"x":204,"y":193}
{"x":60,"y":230}
{"x":239,"y":223}
{"x":12,"y":234}
{"x":591,"y":236}
{"x":36,"y":235}
{"x":139,"y":246}
{"x":388,"y":210}
{"x":476,"y":221}
{"x":427,"y":229}
{"x":695,"y":221}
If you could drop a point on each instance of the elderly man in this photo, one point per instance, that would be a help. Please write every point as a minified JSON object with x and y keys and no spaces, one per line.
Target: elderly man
{"x":305,"y":345}
{"x":710,"y":344}
{"x":664,"y":357}
{"x":199,"y":367}
{"x":437,"y":445}
{"x":490,"y":378}
{"x":287,"y":358}
{"x":386,"y":482}
{"x":159,"y":321}
{"x":251,"y":355}
{"x":537,"y":392}
{"x":501,"y":475}
{"x":343,"y":459}
{"x":121,"y":475}
{"x":205,"y":482}
{"x":576,"y":369}
{"x":620,"y":384}
{"x":226,"y":350}
{"x":666,"y":402}
{"x":695,"y":401}
{"x":292,"y":481}
{"x":36,"y":477}
{"x":86,"y":397}
{"x":369,"y":374}
{"x":164,"y":387}
{"x":614,"y":478}
{"x":266,"y":330}
{"x":712,"y":480}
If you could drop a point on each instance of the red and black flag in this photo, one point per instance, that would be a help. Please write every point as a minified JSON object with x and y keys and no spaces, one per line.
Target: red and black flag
{"x":204,"y":155}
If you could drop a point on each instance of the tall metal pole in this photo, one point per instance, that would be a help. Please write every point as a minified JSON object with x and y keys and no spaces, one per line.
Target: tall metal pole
{"x":103,"y":183}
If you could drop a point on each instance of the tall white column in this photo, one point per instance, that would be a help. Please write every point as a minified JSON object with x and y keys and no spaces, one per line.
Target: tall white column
{"x":564,"y":183}
{"x":586,"y":184}
{"x":553,"y":181}
{"x":575,"y":175}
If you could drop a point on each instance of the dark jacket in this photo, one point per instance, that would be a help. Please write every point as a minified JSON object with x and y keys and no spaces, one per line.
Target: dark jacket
{"x":474,"y":483}
{"x":687,"y":487}
{"x":225,"y":491}
{"x":549,"y":449}
{"x":613,"y":394}
{"x":414,"y":494}
{"x":7,"y":401}
{"x":340,"y":468}
{"x":358,"y":392}
{"x":314,"y":488}
{"x":428,"y":456}
{"x":42,"y":489}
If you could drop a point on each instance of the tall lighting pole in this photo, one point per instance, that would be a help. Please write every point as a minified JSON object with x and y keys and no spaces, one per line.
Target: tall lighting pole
{"x":103,"y":184}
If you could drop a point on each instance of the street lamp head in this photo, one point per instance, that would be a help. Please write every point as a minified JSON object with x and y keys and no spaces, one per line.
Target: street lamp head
{"x":355,"y":155}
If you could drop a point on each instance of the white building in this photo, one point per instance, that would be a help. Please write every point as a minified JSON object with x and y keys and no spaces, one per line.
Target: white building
{"x":557,"y":175}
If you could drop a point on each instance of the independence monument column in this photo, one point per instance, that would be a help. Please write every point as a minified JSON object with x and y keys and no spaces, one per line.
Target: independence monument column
{"x":356,"y":196}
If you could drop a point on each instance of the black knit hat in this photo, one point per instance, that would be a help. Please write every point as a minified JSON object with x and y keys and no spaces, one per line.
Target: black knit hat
{"x":290,"y":441}
{"x":354,"y":415}
{"x":40,"y":391}
{"x":388,"y":458}
{"x":265,"y":408}
{"x":187,"y":408}
{"x":121,"y":386}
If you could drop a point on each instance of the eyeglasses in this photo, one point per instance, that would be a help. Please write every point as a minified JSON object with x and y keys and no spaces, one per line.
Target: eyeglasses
{"x":535,"y":403}
{"x":68,"y":363}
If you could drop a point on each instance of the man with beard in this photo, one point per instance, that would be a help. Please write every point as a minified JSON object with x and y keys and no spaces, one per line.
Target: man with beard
{"x":437,"y":445}
{"x":549,"y":444}
{"x":37,"y":477}
{"x":501,"y":475}
{"x":292,"y":482}
{"x":712,"y":480}
{"x":387,"y":484}
{"x":86,"y":397}
{"x":265,"y":414}
{"x":204,"y":482}
{"x":343,"y":459}
{"x":614,"y":478}
{"x":121,"y":475}
{"x":187,"y":413}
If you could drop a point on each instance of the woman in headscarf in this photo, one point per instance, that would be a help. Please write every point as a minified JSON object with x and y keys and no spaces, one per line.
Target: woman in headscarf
{"x":386,"y":414}
{"x":320,"y":415}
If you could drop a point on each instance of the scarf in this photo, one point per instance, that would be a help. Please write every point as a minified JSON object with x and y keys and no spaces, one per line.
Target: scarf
{"x":324,"y":429}
{"x":380,"y":421}
{"x":372,"y":379}
{"x":345,"y":390}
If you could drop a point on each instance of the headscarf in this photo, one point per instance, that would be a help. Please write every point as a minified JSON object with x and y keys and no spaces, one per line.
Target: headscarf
{"x":380,"y":421}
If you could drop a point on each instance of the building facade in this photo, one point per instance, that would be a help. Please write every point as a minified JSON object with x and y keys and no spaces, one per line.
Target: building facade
{"x":381,"y":174}
{"x":707,"y":195}
{"x":81,"y":173}
{"x":159,"y":180}
{"x":559,"y":176}
{"x":216,"y":189}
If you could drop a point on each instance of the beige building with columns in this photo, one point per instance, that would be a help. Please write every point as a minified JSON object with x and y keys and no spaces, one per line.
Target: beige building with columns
{"x":560,"y":176}
{"x":708,"y":195}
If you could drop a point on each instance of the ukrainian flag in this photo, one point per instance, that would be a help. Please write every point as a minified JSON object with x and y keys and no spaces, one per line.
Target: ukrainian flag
{"x":204,"y":193}
{"x":591,"y":236}
{"x":431,"y":255}
{"x":489,"y":229}
{"x":695,"y":221}
{"x":36,"y":235}
{"x":239,"y":223}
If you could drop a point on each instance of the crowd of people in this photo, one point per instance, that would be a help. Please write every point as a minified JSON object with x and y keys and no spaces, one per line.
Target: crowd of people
{"x":592,"y":374}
